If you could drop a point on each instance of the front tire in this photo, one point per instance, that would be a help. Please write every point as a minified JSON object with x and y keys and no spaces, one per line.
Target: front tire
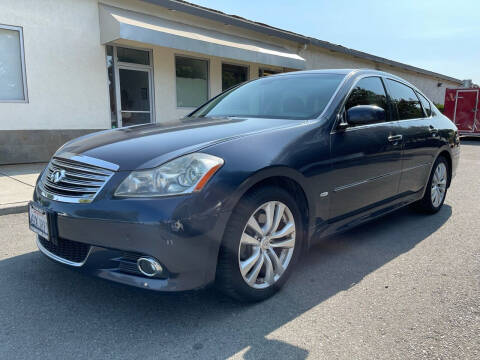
{"x":261,"y":243}
{"x":436,"y":190}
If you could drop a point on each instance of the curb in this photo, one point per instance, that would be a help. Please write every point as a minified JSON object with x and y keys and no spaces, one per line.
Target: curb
{"x":16,"y":208}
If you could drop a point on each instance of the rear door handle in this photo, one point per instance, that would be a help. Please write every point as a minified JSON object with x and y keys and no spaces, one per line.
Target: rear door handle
{"x":395,"y":138}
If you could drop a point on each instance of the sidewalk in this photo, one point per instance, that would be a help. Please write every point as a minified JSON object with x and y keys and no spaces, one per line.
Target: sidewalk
{"x":16,"y":186}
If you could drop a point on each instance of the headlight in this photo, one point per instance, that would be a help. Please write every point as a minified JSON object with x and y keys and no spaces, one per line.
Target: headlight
{"x":183,"y":175}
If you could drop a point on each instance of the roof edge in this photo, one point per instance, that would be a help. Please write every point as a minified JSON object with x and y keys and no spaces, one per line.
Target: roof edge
{"x":234,"y":20}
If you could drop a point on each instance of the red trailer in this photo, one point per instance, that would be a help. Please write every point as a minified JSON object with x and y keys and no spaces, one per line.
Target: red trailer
{"x":462,"y":107}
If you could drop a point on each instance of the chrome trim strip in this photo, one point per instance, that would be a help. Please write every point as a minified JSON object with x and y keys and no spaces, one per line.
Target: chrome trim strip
{"x":60,"y":259}
{"x":67,"y":199}
{"x":77,"y":166}
{"x":88,"y":160}
{"x":343,"y":187}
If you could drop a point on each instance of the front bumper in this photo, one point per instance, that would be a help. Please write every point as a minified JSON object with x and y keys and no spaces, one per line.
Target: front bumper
{"x":116,"y":231}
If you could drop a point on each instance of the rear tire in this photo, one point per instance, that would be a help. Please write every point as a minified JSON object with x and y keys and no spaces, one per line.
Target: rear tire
{"x":436,"y":190}
{"x":255,"y":259}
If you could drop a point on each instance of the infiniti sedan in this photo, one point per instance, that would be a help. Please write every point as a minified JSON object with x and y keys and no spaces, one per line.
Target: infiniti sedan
{"x":233,"y":193}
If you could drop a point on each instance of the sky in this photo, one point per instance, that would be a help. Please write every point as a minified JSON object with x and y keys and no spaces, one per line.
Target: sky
{"x":437,"y":35}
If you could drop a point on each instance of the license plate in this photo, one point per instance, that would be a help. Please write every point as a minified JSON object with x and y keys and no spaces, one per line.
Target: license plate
{"x":38,"y":220}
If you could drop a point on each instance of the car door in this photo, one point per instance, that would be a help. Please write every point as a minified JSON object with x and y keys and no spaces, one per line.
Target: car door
{"x":419,"y":136}
{"x":366,"y":159}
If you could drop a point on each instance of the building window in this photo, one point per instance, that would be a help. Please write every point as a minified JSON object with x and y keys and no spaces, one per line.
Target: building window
{"x":130,"y":82}
{"x":233,"y":75}
{"x":267,"y":72}
{"x":13,"y":84}
{"x":192,"y":81}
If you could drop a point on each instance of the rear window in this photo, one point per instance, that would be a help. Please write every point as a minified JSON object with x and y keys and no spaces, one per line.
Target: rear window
{"x":405,"y":101}
{"x":302,"y":96}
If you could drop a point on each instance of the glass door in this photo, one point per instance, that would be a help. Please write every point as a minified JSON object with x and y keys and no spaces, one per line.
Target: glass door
{"x":135,"y":96}
{"x":130,"y":75}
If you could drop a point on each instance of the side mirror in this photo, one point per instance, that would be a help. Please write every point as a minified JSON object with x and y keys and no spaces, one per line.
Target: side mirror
{"x":365,"y":114}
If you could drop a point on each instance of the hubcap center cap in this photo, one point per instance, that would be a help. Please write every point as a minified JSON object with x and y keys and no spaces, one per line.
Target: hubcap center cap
{"x":265,"y":243}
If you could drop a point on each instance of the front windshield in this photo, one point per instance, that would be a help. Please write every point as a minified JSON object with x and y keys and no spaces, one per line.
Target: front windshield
{"x":296,"y":96}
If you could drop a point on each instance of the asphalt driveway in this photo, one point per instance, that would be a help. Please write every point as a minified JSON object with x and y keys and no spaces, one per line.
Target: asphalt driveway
{"x":405,"y":286}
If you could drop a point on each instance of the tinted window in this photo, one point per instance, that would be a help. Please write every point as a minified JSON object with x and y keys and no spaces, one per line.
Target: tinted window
{"x":368,"y":91}
{"x":233,"y":75}
{"x":133,"y":56}
{"x":404,"y":99}
{"x":290,"y":97}
{"x":192,"y":81}
{"x":425,"y":104}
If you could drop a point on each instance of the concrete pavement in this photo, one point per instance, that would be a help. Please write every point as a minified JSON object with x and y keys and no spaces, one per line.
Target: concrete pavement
{"x":406,"y":286}
{"x":17,"y":183}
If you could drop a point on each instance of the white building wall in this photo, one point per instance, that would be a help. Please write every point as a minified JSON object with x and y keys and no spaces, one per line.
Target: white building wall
{"x":65,"y":66}
{"x":66,"y":71}
{"x":318,"y":58}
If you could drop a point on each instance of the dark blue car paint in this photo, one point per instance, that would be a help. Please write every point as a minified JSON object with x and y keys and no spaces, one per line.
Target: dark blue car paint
{"x":363,"y":174}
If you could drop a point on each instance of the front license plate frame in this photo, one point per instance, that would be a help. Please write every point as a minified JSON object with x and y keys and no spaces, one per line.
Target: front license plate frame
{"x":39,"y":221}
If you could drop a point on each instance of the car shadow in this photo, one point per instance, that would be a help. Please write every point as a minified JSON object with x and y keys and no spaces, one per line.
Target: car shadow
{"x":48,"y":309}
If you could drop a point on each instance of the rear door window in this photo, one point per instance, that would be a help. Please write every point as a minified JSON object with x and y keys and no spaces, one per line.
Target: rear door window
{"x":405,"y":101}
{"x":425,"y":104}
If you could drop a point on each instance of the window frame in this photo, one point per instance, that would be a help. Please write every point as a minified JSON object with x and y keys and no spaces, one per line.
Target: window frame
{"x":22,"y":59}
{"x":341,"y":112}
{"x":175,"y":75}
{"x":394,"y":108}
{"x":246,"y":66}
{"x":420,"y":95}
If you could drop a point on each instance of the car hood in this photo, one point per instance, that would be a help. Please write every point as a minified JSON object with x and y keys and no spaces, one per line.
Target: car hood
{"x":148,"y":146}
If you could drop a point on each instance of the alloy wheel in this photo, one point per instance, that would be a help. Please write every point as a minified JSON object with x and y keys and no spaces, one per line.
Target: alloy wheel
{"x":439,"y":184}
{"x":267,"y":244}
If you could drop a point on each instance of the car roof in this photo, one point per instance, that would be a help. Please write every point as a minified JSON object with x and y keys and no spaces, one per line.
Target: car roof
{"x":350,"y":72}
{"x":340,"y":72}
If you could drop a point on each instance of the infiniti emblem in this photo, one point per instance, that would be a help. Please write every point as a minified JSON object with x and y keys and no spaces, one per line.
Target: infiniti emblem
{"x":57,"y":176}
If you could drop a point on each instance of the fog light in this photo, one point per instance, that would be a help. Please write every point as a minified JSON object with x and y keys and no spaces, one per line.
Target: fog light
{"x":149,"y":266}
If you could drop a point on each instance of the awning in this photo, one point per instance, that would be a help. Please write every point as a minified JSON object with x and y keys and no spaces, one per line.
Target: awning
{"x":117,"y":24}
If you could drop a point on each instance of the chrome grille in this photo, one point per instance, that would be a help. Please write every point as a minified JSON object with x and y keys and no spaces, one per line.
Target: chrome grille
{"x":69,"y":180}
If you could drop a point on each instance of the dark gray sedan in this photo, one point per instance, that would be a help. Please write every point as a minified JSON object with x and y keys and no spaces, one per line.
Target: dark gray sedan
{"x":233,"y":193}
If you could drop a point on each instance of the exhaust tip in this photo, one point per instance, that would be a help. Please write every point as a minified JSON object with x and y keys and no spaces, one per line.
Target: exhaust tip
{"x":149,"y":266}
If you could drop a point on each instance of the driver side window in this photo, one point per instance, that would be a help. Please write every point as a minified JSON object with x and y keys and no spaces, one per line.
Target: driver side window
{"x":369,"y":91}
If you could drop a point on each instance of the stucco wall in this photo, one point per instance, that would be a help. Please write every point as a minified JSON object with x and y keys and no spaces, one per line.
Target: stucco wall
{"x":66,"y":71}
{"x":318,"y":58}
{"x":65,"y":66}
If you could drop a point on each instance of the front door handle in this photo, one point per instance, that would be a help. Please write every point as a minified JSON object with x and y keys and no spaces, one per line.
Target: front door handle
{"x":395,"y":138}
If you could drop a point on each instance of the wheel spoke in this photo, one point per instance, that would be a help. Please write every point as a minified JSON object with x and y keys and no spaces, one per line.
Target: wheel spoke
{"x":289,"y":243}
{"x":249,"y":240}
{"x":256,"y":270}
{"x":247,"y":264}
{"x":268,"y":269}
{"x":287,"y":230}
{"x":253,"y":223}
{"x":277,"y":265}
{"x":279,"y":210}
{"x":269,"y":212}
